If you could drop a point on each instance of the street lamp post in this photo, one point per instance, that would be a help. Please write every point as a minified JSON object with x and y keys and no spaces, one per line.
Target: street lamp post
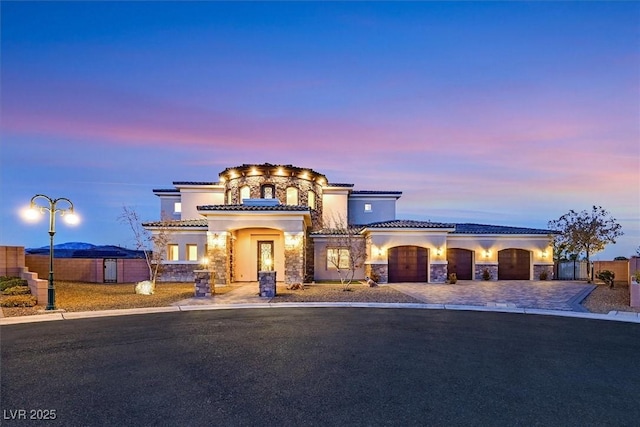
{"x":68,"y":214}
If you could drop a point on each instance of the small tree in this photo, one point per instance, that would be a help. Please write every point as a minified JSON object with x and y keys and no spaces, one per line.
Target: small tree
{"x":349,"y":251}
{"x":586,"y":232}
{"x":146,"y":241}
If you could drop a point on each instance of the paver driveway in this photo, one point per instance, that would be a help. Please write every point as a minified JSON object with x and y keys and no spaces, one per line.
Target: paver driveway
{"x":549,"y":295}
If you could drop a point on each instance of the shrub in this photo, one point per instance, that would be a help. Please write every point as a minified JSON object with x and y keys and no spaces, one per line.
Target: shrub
{"x":19,"y":301}
{"x":607,"y":277}
{"x":636,"y":276}
{"x":453,"y":278}
{"x":486,"y":275}
{"x":544,"y":275}
{"x":10,"y":282}
{"x":375,"y":277}
{"x":17,"y":290}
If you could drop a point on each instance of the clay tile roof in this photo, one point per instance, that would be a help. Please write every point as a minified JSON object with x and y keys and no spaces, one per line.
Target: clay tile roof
{"x":194,"y":183}
{"x":496,"y":229}
{"x":339,"y":184}
{"x":376,"y":192}
{"x":336,"y":232}
{"x":252,"y":208}
{"x":404,"y":223}
{"x":166,"y":190}
{"x":178,"y":223}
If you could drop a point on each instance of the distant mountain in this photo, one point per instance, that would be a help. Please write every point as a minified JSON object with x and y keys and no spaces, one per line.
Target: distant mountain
{"x":70,"y":245}
{"x":86,"y":250}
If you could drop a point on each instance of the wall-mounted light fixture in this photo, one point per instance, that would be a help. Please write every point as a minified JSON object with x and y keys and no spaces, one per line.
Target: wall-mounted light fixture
{"x":292,"y":240}
{"x":380,"y":251}
{"x":438,"y":251}
{"x":487,"y":253}
{"x":544,"y":254}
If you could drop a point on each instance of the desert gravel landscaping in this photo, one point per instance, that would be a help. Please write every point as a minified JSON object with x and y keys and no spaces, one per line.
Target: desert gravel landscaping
{"x":74,"y":296}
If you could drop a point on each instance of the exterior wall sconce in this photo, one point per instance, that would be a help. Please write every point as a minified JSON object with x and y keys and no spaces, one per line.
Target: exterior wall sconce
{"x":487,"y":253}
{"x":544,"y":254}
{"x":292,"y":240}
{"x":439,"y":251}
{"x":380,"y":251}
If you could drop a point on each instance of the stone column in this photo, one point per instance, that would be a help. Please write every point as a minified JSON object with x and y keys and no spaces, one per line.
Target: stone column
{"x":202,"y":283}
{"x":267,"y":283}
{"x":218,"y":244}
{"x":293,"y":258}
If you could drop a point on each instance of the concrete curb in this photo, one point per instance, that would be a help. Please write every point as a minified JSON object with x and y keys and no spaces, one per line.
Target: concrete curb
{"x":618,"y":316}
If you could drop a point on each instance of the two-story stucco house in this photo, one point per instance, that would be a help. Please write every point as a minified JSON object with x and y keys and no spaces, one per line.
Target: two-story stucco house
{"x":266,"y":217}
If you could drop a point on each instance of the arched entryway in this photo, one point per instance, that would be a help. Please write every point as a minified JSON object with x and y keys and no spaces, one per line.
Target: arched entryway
{"x":408,"y":264}
{"x":514,"y":264}
{"x":460,"y":262}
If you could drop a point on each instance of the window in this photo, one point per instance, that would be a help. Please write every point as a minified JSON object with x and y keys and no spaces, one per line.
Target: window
{"x":245,"y":193}
{"x":367,"y":207}
{"x":292,"y":196}
{"x":228,"y":197}
{"x":192,"y":252}
{"x":172,"y":253}
{"x":177,"y":207}
{"x":267,"y":191}
{"x":311,"y":200}
{"x":337,"y":258}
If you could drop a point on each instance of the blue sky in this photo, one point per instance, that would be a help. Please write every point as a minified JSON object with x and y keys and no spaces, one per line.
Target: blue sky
{"x":499,"y":113}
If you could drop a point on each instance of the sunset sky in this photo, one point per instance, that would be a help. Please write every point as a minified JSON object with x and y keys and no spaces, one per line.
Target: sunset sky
{"x":494,"y":113}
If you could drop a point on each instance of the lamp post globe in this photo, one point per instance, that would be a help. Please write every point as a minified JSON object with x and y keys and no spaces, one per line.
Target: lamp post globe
{"x":41,"y":204}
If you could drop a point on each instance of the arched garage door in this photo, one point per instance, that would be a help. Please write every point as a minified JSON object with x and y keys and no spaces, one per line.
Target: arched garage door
{"x":407,"y":264}
{"x":460,"y":261}
{"x":514,"y":264}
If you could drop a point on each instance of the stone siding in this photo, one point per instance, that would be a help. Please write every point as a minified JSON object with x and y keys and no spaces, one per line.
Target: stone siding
{"x":493,"y":270}
{"x":538,"y":269}
{"x":267,"y":282}
{"x":381,"y":271}
{"x":202,"y":283}
{"x":294,"y":264}
{"x":177,"y":273}
{"x":438,"y":273}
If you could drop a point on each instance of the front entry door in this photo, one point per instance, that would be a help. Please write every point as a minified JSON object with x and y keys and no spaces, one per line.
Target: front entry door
{"x":265,"y":255}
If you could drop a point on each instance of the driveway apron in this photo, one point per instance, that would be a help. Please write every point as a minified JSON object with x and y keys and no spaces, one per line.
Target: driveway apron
{"x":549,"y":295}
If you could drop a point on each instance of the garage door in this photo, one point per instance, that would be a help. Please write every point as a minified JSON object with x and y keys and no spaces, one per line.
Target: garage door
{"x":460,"y":261}
{"x":514,"y":264}
{"x":407,"y":264}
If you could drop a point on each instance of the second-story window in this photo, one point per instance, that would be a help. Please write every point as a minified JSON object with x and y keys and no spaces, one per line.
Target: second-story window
{"x":177,"y":207}
{"x":292,"y":196}
{"x":311,"y":199}
{"x":268,"y":191}
{"x":367,"y":207}
{"x":245,"y":193}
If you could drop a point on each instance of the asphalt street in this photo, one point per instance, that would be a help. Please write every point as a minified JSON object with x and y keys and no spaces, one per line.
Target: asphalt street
{"x":321,"y":366}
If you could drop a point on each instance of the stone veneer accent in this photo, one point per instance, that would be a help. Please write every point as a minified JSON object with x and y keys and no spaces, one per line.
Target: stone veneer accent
{"x":438,"y":273}
{"x":202,"y":283}
{"x":281,"y":183}
{"x":220,"y":264}
{"x":539,"y":268}
{"x":493,"y":270}
{"x":380,"y":270}
{"x":294,"y":263}
{"x":267,"y":283}
{"x":177,"y":273}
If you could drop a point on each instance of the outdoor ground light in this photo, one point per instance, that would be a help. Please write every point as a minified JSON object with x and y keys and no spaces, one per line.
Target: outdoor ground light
{"x":67,"y":213}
